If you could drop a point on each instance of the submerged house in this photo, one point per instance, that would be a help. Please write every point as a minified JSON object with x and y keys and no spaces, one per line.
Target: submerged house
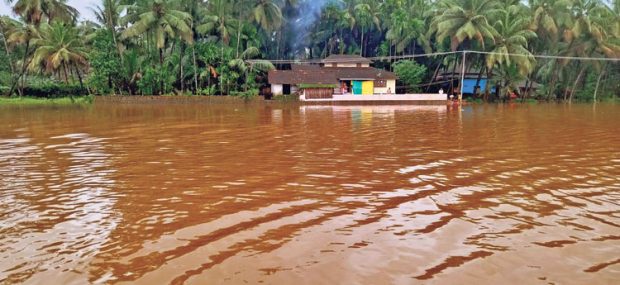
{"x":335,"y":75}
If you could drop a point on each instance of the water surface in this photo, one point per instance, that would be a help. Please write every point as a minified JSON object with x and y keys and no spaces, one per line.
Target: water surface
{"x":275,"y":194}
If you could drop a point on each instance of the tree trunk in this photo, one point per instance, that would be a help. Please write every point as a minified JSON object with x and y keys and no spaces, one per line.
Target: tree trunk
{"x":451,"y":92}
{"x":390,"y":57}
{"x":112,"y":27}
{"x":222,"y":62}
{"x":77,"y":72}
{"x":487,"y":86}
{"x":279,"y":36}
{"x":598,"y":82}
{"x":434,"y":78}
{"x":64,"y":67}
{"x":8,"y":54}
{"x":554,"y":79}
{"x":477,"y":91}
{"x":22,"y":86}
{"x":572,"y":92}
{"x":566,"y":90}
{"x":182,"y":52}
{"x":341,"y":47}
{"x":362,"y":44}
{"x":239,"y":35}
{"x":528,"y":91}
{"x":195,"y":69}
{"x":24,"y":65}
{"x":161,"y":70}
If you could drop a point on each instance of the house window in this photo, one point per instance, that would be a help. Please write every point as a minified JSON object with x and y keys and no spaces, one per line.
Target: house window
{"x":380,"y":83}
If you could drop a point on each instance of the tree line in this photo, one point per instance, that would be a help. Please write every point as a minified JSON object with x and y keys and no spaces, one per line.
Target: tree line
{"x":203,"y":46}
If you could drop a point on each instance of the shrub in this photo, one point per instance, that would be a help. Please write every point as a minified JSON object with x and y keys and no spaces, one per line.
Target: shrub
{"x":247,"y":95}
{"x":54,"y":90}
{"x":410,"y":73}
{"x":209,"y":90}
{"x":5,"y":78}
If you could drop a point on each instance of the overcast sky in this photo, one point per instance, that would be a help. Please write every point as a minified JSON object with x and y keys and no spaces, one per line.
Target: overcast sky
{"x":81,"y":5}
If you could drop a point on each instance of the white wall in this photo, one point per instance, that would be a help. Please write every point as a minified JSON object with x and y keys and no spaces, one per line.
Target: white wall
{"x":439,"y":98}
{"x":391,"y":84}
{"x":277,"y":89}
{"x":349,"y":65}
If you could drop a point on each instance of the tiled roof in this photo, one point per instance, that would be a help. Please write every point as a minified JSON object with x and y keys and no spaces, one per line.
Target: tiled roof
{"x":328,"y":75}
{"x":345,"y":58}
{"x":308,"y":76}
{"x":360,"y":73}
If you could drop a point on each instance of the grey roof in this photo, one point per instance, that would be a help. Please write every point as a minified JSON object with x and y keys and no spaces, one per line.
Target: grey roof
{"x":328,"y":75}
{"x":346,"y":58}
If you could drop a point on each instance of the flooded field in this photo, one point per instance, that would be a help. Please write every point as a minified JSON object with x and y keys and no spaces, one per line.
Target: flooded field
{"x":276,"y":194}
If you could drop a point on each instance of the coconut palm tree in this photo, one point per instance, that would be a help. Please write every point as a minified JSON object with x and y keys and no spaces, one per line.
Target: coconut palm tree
{"x":162,"y":20}
{"x":511,"y":42}
{"x":464,"y":20}
{"x":550,"y":17}
{"x":159,"y":17}
{"x":22,"y":34}
{"x":35,"y":11}
{"x":245,"y":67}
{"x":218,"y":19}
{"x":59,"y":47}
{"x":6,"y":26}
{"x":108,"y":14}
{"x":366,"y":14}
{"x":590,"y":36}
{"x":404,"y":30}
{"x":510,"y":51}
{"x":267,"y":14}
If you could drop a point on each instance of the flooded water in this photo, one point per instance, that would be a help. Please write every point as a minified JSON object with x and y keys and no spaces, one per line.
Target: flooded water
{"x":275,"y":194}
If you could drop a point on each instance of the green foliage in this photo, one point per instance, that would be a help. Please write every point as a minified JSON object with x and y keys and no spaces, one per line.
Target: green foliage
{"x":246,"y":95}
{"x":34,"y":101}
{"x":5,"y":78}
{"x":410,"y":73}
{"x":50,"y":89}
{"x":107,"y":70}
{"x":150,"y":84}
{"x":5,"y":68}
{"x":209,"y":90}
{"x":58,"y":47}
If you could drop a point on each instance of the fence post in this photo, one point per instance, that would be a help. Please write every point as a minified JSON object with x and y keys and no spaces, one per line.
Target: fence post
{"x":462,"y":77}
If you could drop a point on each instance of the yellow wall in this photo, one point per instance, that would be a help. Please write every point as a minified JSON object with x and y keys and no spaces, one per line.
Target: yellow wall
{"x":368,"y":88}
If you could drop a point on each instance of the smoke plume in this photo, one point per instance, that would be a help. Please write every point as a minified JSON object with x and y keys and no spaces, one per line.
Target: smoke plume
{"x":307,"y":14}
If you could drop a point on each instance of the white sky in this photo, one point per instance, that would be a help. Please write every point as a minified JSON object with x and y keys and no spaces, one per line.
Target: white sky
{"x":81,"y":5}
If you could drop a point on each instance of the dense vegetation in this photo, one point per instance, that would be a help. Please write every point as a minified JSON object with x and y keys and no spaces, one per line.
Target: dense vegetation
{"x":203,"y":46}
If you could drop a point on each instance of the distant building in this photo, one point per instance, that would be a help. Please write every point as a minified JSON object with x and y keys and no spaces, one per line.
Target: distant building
{"x":335,"y":75}
{"x":473,"y":81}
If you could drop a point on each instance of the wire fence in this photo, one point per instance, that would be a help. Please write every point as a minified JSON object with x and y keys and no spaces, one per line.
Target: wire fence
{"x":410,"y":56}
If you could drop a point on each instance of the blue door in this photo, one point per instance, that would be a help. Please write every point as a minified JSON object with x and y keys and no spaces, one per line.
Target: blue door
{"x":357,"y":87}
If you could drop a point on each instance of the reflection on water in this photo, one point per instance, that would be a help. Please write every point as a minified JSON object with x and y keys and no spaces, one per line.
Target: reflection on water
{"x":310,"y":194}
{"x":56,"y":206}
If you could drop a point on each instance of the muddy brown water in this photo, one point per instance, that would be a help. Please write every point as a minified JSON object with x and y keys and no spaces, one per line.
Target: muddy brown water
{"x":289,"y":194}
